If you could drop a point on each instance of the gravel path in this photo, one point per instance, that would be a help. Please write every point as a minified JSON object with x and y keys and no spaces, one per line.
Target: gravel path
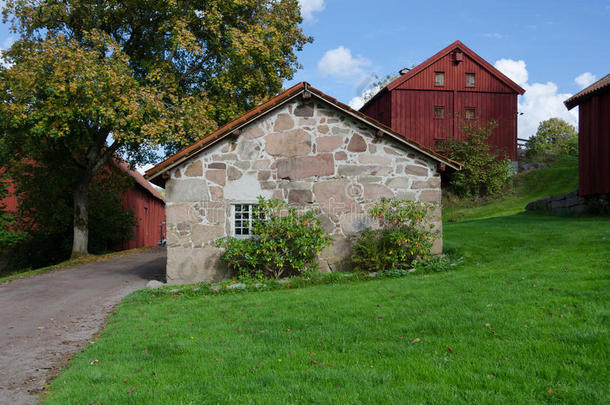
{"x":46,"y":318}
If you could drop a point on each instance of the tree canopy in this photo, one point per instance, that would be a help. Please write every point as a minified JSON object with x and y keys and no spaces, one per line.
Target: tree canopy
{"x":88,"y":79}
{"x":554,"y":137}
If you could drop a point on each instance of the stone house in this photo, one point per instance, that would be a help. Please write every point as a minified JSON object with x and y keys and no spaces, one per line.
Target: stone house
{"x":301,"y":146}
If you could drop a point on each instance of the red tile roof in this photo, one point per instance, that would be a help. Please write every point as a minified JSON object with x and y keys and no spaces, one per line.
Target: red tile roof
{"x":154,"y":174}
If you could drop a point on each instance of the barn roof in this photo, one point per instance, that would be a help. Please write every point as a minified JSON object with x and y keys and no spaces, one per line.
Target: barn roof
{"x":233,"y":127}
{"x":602,"y":84}
{"x":444,"y":52}
{"x":138,"y":178}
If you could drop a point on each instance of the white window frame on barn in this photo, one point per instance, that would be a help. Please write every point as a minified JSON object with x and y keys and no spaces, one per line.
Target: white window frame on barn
{"x":241,"y":224}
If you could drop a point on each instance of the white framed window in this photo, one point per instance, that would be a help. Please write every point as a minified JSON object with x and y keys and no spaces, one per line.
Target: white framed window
{"x":470,"y":113}
{"x":470,"y":79}
{"x":439,"y":112}
{"x":243,"y":216}
{"x":439,"y":78}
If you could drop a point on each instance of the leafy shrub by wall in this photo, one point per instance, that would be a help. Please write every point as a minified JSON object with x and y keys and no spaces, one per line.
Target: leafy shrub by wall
{"x":284,"y":242}
{"x":402,"y":238}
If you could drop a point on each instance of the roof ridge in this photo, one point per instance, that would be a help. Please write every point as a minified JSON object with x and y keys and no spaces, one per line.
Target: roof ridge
{"x":443,"y":52}
{"x":273,"y":103}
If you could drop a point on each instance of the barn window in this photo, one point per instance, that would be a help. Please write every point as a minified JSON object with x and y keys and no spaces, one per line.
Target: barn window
{"x":470,"y":79}
{"x":439,"y":78}
{"x":439,"y":112}
{"x":470,"y":113}
{"x":243,"y":216}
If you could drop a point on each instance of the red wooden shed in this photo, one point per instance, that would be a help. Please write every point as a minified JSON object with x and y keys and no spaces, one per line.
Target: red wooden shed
{"x":149,"y":211}
{"x":593,"y":137}
{"x":432,"y":101}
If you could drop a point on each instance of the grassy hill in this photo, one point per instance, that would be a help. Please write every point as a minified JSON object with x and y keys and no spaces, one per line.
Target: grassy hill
{"x":561,"y":178}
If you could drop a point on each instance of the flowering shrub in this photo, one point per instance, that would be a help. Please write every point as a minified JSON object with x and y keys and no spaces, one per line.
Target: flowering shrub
{"x":284,"y":242}
{"x":402,"y":237}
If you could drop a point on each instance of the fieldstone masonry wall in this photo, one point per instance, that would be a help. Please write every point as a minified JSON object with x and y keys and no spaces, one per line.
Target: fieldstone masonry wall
{"x":310,"y":155}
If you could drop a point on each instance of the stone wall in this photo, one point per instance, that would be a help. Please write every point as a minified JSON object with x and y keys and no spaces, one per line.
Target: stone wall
{"x":310,"y":155}
{"x":572,"y":203}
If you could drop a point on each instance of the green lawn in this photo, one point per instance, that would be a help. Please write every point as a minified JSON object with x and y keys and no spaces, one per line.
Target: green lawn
{"x":561,"y":178}
{"x":524,"y":319}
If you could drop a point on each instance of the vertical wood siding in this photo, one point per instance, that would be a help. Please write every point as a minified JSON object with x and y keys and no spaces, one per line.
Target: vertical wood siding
{"x":381,"y":109}
{"x":411,"y":105}
{"x":594,"y":145}
{"x":149,"y":213}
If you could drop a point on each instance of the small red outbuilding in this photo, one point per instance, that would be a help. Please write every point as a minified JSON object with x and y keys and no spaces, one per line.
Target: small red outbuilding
{"x":593,"y":137}
{"x":149,"y":211}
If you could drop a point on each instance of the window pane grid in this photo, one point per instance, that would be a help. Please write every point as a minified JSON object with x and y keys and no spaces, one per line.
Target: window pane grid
{"x":243,"y":218}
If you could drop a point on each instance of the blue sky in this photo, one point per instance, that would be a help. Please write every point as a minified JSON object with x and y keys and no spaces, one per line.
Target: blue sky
{"x":543,"y":45}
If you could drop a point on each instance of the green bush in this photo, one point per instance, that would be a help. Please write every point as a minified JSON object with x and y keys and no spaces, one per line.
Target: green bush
{"x":554,"y":137}
{"x":485,"y":172}
{"x":402,"y":237}
{"x":284,"y":243}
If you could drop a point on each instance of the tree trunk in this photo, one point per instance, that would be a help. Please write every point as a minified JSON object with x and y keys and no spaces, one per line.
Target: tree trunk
{"x":81,"y":219}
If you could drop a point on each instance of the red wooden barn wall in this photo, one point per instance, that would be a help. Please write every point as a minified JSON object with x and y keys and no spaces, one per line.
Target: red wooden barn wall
{"x":411,"y":104}
{"x":149,"y":213}
{"x":594,"y":145}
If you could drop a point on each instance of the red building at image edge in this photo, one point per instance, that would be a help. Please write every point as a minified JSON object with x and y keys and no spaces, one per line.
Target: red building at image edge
{"x":432,"y":101}
{"x":593,"y":137}
{"x":147,"y":204}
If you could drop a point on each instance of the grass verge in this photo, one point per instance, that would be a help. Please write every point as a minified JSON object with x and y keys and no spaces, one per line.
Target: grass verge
{"x":68,"y":263}
{"x":524,"y":319}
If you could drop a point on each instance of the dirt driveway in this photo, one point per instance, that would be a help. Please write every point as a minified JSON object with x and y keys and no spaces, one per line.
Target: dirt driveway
{"x":45,"y":318}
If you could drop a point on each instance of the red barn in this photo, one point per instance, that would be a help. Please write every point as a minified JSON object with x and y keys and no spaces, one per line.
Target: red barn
{"x":142,"y":198}
{"x":149,"y":211}
{"x":432,"y":101}
{"x":593,"y":137}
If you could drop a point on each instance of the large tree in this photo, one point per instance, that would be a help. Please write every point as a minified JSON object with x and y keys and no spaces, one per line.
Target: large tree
{"x":89,"y":79}
{"x":554,"y":137}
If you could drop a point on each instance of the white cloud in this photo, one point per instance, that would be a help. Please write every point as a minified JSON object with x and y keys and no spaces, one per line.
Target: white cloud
{"x":308,"y":7}
{"x":540,"y":102}
{"x":357,"y":102}
{"x":514,"y":69}
{"x":340,"y":63}
{"x":142,"y":169}
{"x":493,"y":35}
{"x":586,"y":79}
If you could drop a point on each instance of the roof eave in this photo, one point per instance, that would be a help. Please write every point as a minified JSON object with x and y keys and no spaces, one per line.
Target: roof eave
{"x":155,"y":175}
